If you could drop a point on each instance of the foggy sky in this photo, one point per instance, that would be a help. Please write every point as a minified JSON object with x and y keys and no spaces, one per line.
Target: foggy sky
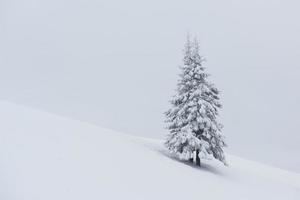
{"x":116,"y":64}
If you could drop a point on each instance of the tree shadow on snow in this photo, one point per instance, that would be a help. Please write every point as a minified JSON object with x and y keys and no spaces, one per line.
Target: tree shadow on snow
{"x":204,"y":166}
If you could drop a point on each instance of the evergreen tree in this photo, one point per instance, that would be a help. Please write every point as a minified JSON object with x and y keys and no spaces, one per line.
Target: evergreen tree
{"x":192,"y":120}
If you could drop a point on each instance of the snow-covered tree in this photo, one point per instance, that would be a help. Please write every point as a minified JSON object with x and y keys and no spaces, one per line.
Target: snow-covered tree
{"x":192,"y":120}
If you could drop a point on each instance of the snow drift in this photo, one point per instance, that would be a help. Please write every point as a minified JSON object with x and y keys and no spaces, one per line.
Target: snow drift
{"x":44,"y":156}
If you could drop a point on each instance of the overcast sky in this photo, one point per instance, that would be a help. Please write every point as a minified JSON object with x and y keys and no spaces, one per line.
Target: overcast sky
{"x":115,"y":64}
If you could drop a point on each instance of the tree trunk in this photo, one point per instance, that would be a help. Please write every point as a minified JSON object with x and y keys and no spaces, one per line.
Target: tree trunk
{"x":198,"y":162}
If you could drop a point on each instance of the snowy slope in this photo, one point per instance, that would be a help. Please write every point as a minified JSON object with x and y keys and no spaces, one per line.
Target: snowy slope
{"x":47,"y":157}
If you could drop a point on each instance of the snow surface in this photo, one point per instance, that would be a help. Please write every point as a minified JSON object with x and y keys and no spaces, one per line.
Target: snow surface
{"x":44,"y":156}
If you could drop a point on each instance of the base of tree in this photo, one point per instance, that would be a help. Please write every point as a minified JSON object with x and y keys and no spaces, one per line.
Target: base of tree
{"x":198,"y":162}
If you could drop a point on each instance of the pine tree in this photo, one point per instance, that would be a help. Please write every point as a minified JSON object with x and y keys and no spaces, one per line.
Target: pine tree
{"x":192,"y":119}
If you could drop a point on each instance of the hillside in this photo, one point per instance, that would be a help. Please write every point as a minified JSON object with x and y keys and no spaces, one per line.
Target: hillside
{"x":47,"y":157}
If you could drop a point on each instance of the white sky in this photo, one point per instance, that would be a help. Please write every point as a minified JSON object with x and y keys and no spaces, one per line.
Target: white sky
{"x":115,"y":64}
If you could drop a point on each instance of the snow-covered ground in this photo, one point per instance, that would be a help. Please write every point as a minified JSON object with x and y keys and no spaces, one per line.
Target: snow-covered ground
{"x":47,"y":157}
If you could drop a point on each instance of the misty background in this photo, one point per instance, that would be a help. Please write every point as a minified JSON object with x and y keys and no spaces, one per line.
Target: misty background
{"x":116,"y":64}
